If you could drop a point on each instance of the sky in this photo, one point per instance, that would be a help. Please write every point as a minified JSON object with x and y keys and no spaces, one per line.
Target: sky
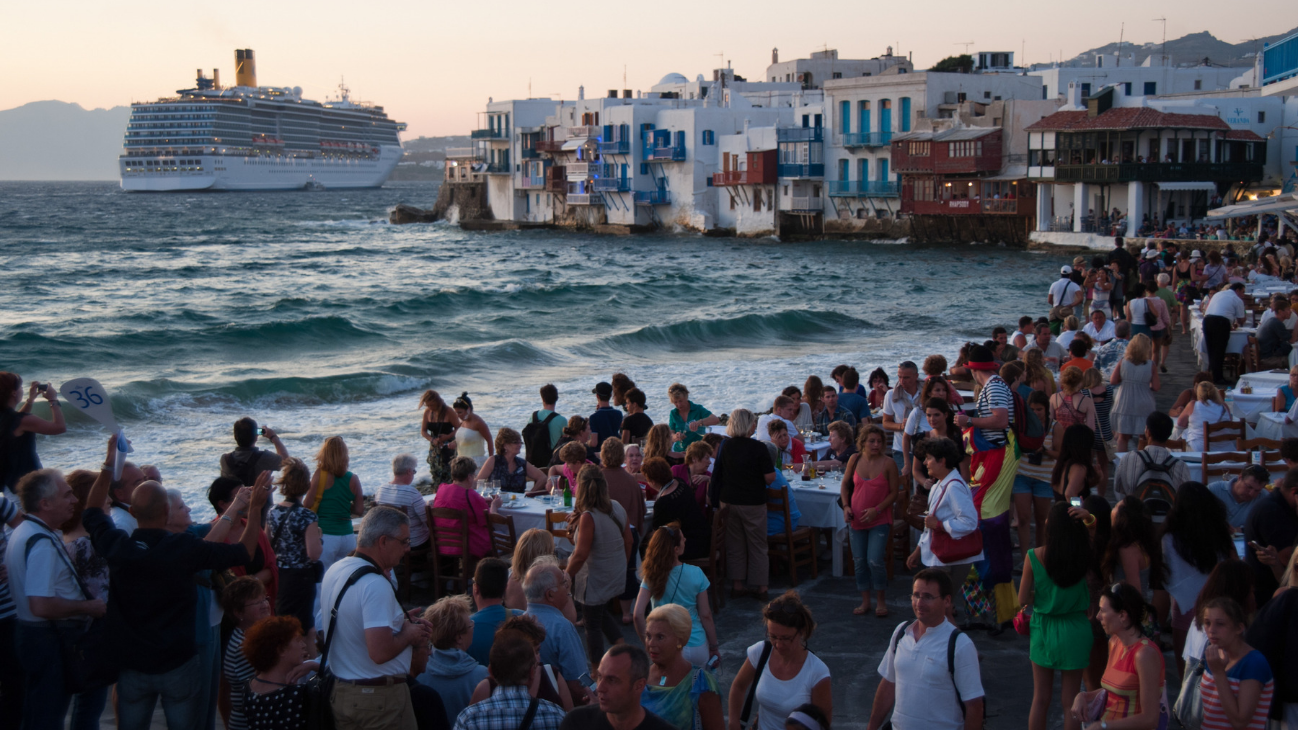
{"x":434,"y":64}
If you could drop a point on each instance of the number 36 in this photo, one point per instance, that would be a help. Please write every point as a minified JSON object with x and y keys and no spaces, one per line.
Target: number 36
{"x":87,"y":397}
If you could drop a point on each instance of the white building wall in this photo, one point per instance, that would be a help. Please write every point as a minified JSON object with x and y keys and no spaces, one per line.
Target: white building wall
{"x":1168,"y":79}
{"x":735,"y":204}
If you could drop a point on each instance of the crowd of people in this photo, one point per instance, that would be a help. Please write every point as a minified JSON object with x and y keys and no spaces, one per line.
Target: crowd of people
{"x":1034,"y":477}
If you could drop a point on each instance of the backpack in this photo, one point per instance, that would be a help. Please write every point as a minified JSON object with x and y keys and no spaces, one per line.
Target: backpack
{"x":1154,"y":485}
{"x":536,"y":437}
{"x":950,"y":656}
{"x":1028,"y":429}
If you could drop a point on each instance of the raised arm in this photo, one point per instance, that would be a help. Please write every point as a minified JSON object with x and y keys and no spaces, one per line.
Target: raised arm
{"x":99,"y":490}
{"x":36,"y":424}
{"x":273,"y":437}
{"x":257,"y":500}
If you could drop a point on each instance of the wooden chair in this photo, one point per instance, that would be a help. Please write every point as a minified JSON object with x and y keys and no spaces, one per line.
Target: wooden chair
{"x":1171,"y":444}
{"x":553,"y":520}
{"x":1257,"y":444}
{"x":412,"y":562}
{"x":1222,"y":463}
{"x":794,"y":547}
{"x":714,"y":565}
{"x":1251,"y":357}
{"x":1225,"y":432}
{"x":503,"y":536}
{"x":452,"y":538}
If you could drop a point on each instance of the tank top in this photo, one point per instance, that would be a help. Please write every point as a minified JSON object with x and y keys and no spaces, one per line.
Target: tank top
{"x":866,"y":493}
{"x":335,"y":506}
{"x":1121,"y":681}
{"x":469,"y":442}
{"x":1050,"y":599}
{"x":603,"y":577}
{"x":1067,"y":414}
{"x":512,"y":478}
{"x":17,"y":453}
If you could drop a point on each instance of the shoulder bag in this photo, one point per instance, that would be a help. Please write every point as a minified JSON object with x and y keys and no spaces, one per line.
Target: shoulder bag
{"x":319,"y":688}
{"x":752,"y":689}
{"x":1189,"y":704}
{"x":949,"y":549}
{"x":88,"y":662}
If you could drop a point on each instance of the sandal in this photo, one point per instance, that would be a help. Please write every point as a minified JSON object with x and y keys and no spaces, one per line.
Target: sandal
{"x":881,"y":612}
{"x":860,"y":610}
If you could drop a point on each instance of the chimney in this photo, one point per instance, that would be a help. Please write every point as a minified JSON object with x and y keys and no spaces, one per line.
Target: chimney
{"x":245,"y":68}
{"x":612,"y":93}
{"x":581,"y":93}
{"x":775,"y":55}
{"x":216,"y":79}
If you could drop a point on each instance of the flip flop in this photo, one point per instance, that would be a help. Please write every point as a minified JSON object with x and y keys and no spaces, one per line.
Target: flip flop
{"x":860,"y":610}
{"x":884,"y":614}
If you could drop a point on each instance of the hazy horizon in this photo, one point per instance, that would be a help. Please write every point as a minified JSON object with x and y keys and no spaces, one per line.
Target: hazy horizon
{"x":434,"y":67}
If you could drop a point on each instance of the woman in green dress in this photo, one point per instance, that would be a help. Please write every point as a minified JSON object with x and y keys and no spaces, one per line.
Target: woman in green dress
{"x":1054,"y":589}
{"x":685,"y":696}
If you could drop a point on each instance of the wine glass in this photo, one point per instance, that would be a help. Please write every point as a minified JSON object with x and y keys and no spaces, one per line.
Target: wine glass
{"x":482,"y":487}
{"x":554,"y":490}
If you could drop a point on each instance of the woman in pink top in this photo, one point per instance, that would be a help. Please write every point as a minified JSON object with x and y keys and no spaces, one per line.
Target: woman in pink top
{"x":459,"y":494}
{"x":870,"y":486}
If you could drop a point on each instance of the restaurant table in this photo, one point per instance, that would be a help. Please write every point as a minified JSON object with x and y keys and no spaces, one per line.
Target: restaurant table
{"x":1272,"y":379}
{"x":819,"y":448}
{"x":818,"y":502}
{"x":1272,"y":426}
{"x":1249,"y":406}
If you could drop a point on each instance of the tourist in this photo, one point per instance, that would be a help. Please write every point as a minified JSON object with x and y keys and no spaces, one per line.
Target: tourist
{"x":1148,"y":268}
{"x":784,"y":653}
{"x":621,"y":385}
{"x":1075,"y":475}
{"x":247,"y":461}
{"x":1065,"y":339}
{"x":1033,"y":495}
{"x":1133,"y":677}
{"x":1184,"y":275}
{"x":784,"y":410}
{"x":1214,"y":273}
{"x":1064,"y":295}
{"x":813,"y":392}
{"x":459,"y":494}
{"x":830,"y":412}
{"x":1134,"y":555}
{"x":19,"y":426}
{"x":1237,"y":685}
{"x":839,"y":374}
{"x":930,"y":675}
{"x":1053,"y":590}
{"x":1225,"y":312}
{"x":92,"y":572}
{"x":1170,"y":306}
{"x":696,"y":472}
{"x":295,"y":539}
{"x":512,"y":471}
{"x":400,"y":494}
{"x":1035,"y":373}
{"x":532,"y":545}
{"x":681,"y":692}
{"x":245,"y":601}
{"x":1207,"y":408}
{"x":1101,"y":533}
{"x":688,"y":421}
{"x":841,"y":447}
{"x":1109,"y":354}
{"x":878,"y":388}
{"x":221,"y":495}
{"x":369,"y":642}
{"x":802,"y":419}
{"x":472,"y":437}
{"x":1196,"y":537}
{"x":1136,"y":381}
{"x":1232,"y":579}
{"x":869,"y":488}
{"x":950,"y":503}
{"x":743,"y":471}
{"x":1024,"y":334}
{"x":1269,"y":532}
{"x":1100,"y":328}
{"x":855,"y":403}
{"x":572,"y":456}
{"x":676,"y":504}
{"x":776,"y":448}
{"x":513,"y":666}
{"x":278,"y":653}
{"x":1099,"y":287}
{"x":489,"y":580}
{"x":438,"y":429}
{"x":1154,"y":462}
{"x":1052,"y":353}
{"x":548,"y":592}
{"x":1077,"y":349}
{"x":606,"y":421}
{"x":597,"y":567}
{"x":1069,"y":406}
{"x":1286,"y":394}
{"x":1290,"y":318}
{"x":451,"y":671}
{"x":547,"y":683}
{"x":668,"y":580}
{"x":336,"y":497}
{"x":623,"y":674}
{"x":636,"y":424}
{"x":1240,"y":495}
{"x":1094,"y":385}
{"x":623,"y":489}
{"x":120,"y":493}
{"x":1274,"y":341}
{"x":659,"y":444}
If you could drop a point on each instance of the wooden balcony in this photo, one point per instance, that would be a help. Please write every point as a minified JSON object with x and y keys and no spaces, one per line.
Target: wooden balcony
{"x":1161,"y":172}
{"x":549,"y":146}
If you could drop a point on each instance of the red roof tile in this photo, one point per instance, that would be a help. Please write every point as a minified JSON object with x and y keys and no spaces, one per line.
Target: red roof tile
{"x":1244,"y":135}
{"x":1123,"y":118}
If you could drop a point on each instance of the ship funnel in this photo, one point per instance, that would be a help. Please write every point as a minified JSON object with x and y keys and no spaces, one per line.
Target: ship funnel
{"x":216,"y":78}
{"x":245,"y":68}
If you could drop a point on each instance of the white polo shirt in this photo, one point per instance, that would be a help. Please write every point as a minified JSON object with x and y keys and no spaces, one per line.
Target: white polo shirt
{"x":926,"y":696}
{"x":1226,"y":304}
{"x":1103,"y":334}
{"x":370,"y":603}
{"x":45,"y":572}
{"x":899,"y":408}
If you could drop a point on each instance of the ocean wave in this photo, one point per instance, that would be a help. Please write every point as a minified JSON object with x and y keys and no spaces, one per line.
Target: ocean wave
{"x":747,"y":331}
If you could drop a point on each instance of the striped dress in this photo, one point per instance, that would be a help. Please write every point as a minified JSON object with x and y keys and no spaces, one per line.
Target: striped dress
{"x":1252,"y":666}
{"x":1103,"y":404}
{"x":1122,"y":682}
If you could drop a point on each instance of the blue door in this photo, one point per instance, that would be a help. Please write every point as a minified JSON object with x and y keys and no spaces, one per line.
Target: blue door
{"x":905,"y":113}
{"x":883,"y":170}
{"x":863,"y":124}
{"x":845,"y":116}
{"x":843,"y":171}
{"x":885,"y":117}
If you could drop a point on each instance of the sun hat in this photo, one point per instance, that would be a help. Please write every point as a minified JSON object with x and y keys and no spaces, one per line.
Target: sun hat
{"x":1151,"y":254}
{"x":1196,"y":255}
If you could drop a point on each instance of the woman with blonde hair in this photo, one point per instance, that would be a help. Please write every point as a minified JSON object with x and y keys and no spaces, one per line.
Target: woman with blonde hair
{"x":1037,"y":376}
{"x":438,"y":429}
{"x":335,"y":496}
{"x":659,"y":444}
{"x":740,"y":476}
{"x":295,"y":539}
{"x":1136,"y":380}
{"x":534,"y":545}
{"x":1207,"y":407}
{"x":1070,"y":406}
{"x":597,"y":567}
{"x":667,"y":580}
{"x":450,"y":670}
{"x":681,"y":692}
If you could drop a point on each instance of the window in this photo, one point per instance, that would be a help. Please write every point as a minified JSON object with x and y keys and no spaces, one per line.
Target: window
{"x":1126,"y":88}
{"x":1261,"y":117}
{"x":1151,"y":88}
{"x":709,"y":137}
{"x":1086,"y":91}
{"x":918,"y":149}
{"x":923,"y":190}
{"x":757,"y":200}
{"x":971,"y":148}
{"x":838,"y":74}
{"x":644,"y":168}
{"x":732,"y":202}
{"x":987,"y":94}
{"x":1198,"y":84}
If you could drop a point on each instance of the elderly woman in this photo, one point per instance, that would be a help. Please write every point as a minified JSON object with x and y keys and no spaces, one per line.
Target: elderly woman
{"x":684,"y":694}
{"x":451,"y":671}
{"x":460,"y":494}
{"x":676,"y":504}
{"x":472,"y":438}
{"x":1136,"y":380}
{"x":508,"y":468}
{"x":22,"y":426}
{"x":597,"y":567}
{"x":841,"y":447}
{"x":547,"y":683}
{"x":740,"y":476}
{"x":295,"y":539}
{"x":635,"y":463}
{"x":278,"y":653}
{"x":688,"y":420}
{"x":789,"y":626}
{"x":667,"y":580}
{"x":335,"y":496}
{"x":533,"y":545}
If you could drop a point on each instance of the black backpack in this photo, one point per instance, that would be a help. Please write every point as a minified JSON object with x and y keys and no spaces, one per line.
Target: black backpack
{"x":1154,"y":485}
{"x":536,"y":437}
{"x":950,"y":656}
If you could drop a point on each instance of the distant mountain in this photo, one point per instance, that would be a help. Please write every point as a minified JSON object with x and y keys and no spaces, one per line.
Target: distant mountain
{"x":55,"y":140}
{"x":1191,"y":50}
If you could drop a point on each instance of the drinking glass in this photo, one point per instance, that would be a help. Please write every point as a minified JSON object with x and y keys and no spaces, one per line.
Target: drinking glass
{"x":482,"y":487}
{"x":554,"y":489}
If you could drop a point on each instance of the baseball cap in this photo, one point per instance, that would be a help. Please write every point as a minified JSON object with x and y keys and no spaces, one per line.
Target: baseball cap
{"x":603,"y":390}
{"x":1066,"y":270}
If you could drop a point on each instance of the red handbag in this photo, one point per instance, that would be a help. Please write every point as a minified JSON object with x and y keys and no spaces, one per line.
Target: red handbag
{"x":951,"y":550}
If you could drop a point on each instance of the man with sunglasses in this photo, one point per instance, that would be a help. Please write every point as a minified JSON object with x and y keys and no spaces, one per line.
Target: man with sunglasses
{"x":915,"y":699}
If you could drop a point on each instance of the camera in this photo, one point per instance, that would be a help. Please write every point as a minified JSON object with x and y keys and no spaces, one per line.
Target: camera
{"x":261,"y":432}
{"x":40,"y":387}
{"x":1034,"y":458}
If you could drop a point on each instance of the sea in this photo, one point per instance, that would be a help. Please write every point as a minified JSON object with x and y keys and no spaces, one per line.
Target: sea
{"x":310,"y":313}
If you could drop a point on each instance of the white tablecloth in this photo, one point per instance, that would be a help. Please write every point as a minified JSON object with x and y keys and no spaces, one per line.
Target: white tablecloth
{"x":1267,"y":379}
{"x":819,"y":508}
{"x":1272,"y":426}
{"x":1249,"y":406}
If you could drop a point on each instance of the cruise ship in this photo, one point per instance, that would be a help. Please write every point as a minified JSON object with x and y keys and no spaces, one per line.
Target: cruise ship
{"x":250,"y":137}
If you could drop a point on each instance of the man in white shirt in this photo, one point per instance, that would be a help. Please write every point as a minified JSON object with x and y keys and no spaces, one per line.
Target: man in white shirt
{"x":1064,"y":293}
{"x":1225,"y":312}
{"x":1291,"y":316}
{"x":399,"y":494}
{"x":45,"y":589}
{"x":785,"y":409}
{"x":370,"y":645}
{"x":120,"y":493}
{"x":1052,"y":352}
{"x":919,"y":700}
{"x":897,"y":405}
{"x":1100,"y":328}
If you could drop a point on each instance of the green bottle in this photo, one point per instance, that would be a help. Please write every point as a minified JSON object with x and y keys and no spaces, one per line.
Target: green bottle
{"x":567,"y":494}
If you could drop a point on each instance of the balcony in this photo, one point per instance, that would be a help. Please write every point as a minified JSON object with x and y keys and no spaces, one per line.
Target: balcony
{"x":615,"y":147}
{"x":530,"y":182}
{"x":653,"y":197}
{"x":863,"y":189}
{"x":800,"y":134}
{"x":549,"y":145}
{"x":585,"y":199}
{"x":968,"y":206}
{"x":612,"y":184}
{"x":866,"y":139}
{"x":1003,"y":206}
{"x":461,"y":153}
{"x":802,"y":205}
{"x":581,"y":170}
{"x":801,"y":171}
{"x":529,"y":153}
{"x":498,"y":168}
{"x":487,"y":134}
{"x":663,"y":154}
{"x":1160,"y":172}
{"x":584,"y":132}
{"x":723,"y":179}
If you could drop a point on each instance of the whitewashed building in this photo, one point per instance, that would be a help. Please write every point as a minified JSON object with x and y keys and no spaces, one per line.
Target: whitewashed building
{"x":1153,"y":77}
{"x":822,"y":66}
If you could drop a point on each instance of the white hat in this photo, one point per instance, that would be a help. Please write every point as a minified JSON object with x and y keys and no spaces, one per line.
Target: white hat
{"x":1151,"y":253}
{"x":1066,"y":270}
{"x":1197,"y":254}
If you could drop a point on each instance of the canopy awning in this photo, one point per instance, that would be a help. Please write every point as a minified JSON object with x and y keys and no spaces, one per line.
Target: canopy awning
{"x":1278,"y":203}
{"x":573,"y":144}
{"x":1011,"y":172}
{"x":1187,"y":186}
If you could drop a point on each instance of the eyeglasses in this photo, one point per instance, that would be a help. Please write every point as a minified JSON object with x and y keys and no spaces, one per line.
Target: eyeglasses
{"x":924,"y":597}
{"x":782,"y":639}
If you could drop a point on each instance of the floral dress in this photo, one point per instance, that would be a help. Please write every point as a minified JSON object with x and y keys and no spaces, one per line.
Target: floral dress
{"x":91,"y":568}
{"x":439,"y":456}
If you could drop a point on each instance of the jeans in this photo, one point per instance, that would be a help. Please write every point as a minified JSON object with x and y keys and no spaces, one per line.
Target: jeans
{"x":180,"y":689}
{"x":11,"y":677}
{"x":87,"y":708}
{"x":45,"y":701}
{"x":868,"y":550}
{"x":209,"y":657}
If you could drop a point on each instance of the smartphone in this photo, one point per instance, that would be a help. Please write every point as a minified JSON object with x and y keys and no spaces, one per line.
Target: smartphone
{"x":1075,"y":501}
{"x":261,"y":432}
{"x":1253,"y":544}
{"x":713,"y":663}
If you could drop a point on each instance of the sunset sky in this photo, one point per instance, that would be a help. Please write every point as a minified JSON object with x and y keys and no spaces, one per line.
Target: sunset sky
{"x":434,"y":64}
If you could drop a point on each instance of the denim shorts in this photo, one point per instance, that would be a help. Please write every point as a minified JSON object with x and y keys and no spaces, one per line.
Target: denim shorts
{"x":1035,"y":487}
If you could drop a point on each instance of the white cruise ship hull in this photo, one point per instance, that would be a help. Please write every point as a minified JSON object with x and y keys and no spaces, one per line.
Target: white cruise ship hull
{"x":261,"y":172}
